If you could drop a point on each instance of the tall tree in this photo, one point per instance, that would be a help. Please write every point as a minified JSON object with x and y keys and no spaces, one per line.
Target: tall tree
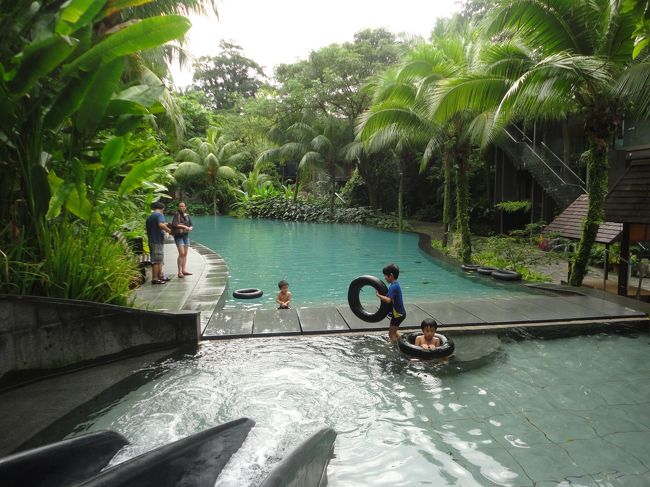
{"x":584,"y":47}
{"x":226,"y":76}
{"x":211,"y":158}
{"x":330,"y":81}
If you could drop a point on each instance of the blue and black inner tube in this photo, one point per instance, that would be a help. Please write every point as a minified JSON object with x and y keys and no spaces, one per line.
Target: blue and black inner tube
{"x":354,"y":299}
{"x":406,"y":344}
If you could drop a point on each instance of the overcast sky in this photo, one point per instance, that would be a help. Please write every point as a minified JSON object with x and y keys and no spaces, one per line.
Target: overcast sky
{"x":284,"y":31}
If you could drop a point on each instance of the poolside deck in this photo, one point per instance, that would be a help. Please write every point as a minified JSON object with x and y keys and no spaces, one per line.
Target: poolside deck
{"x":554,"y":306}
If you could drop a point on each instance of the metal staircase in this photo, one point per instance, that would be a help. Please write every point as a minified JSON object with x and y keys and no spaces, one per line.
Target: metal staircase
{"x":558,"y":180}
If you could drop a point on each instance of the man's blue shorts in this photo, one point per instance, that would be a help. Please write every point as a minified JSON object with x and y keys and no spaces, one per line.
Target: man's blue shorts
{"x":182,"y":239}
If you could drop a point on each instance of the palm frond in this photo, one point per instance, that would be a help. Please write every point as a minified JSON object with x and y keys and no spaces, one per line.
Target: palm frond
{"x":471,"y":92}
{"x":227,"y":172}
{"x":311,"y":160}
{"x":634,"y":87}
{"x":322,"y":144}
{"x":543,"y":24}
{"x":267,"y":156}
{"x":188,"y":155}
{"x":188,"y":169}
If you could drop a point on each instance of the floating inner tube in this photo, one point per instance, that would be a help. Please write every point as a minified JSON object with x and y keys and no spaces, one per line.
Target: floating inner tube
{"x":406,"y":344}
{"x":249,"y":293}
{"x":486,"y":271}
{"x":470,"y":267}
{"x":505,"y":275}
{"x":354,"y":299}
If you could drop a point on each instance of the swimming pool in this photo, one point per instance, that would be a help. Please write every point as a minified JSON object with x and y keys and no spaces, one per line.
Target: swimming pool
{"x":569,"y":411}
{"x":320,"y":260}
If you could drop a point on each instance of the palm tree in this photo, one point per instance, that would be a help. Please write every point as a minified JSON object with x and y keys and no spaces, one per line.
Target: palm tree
{"x":211,"y":158}
{"x":584,"y":46}
{"x":313,"y":147}
{"x":408,"y":112}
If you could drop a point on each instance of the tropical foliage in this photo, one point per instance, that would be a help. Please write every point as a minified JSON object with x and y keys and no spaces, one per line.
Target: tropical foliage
{"x":66,"y":118}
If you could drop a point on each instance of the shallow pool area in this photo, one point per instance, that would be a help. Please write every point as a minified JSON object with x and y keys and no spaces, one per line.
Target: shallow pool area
{"x":320,"y":260}
{"x":511,"y":412}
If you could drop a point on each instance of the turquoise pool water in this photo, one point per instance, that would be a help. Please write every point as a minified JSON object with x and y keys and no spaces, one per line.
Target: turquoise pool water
{"x":320,"y":260}
{"x":514,"y":413}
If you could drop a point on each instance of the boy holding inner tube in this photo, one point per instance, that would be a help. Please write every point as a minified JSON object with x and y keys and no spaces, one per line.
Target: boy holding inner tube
{"x":394,"y":297}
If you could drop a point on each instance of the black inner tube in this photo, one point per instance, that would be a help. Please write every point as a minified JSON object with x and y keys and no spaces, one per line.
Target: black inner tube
{"x":505,"y":275}
{"x":406,"y":344}
{"x":248,"y":293}
{"x":354,"y":299}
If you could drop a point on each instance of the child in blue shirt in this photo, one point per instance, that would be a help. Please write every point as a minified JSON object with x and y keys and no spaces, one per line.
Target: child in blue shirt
{"x":394,"y":296}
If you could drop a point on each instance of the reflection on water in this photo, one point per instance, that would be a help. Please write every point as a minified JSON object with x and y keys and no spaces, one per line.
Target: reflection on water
{"x":490,"y":418}
{"x":319,"y":260}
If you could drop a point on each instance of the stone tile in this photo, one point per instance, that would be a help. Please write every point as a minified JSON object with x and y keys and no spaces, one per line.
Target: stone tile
{"x":560,"y":426}
{"x":357,"y":324}
{"x":633,"y":443}
{"x":276,"y":322}
{"x":450,"y":314}
{"x":622,"y":480}
{"x":598,"y":457}
{"x":575,"y":398}
{"x":604,"y":308}
{"x":230,"y":323}
{"x":514,"y":431}
{"x":622,"y":392}
{"x":547,"y":462}
{"x":488,"y":311}
{"x":321,"y":320}
{"x":532,"y":309}
{"x":609,"y":420}
{"x":640,"y":412}
{"x":414,"y":317}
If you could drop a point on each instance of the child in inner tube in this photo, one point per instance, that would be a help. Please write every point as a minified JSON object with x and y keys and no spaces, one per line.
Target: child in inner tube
{"x":393,"y":296}
{"x":428,"y":339}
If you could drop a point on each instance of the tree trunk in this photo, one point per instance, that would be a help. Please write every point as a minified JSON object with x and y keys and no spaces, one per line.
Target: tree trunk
{"x":566,"y":148}
{"x":214,"y":202}
{"x":333,"y":178}
{"x":400,"y":200}
{"x":296,"y":188}
{"x":597,"y":165}
{"x":462,"y":208}
{"x":446,"y":199}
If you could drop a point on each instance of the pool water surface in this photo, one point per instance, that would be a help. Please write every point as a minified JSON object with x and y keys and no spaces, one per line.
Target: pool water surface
{"x":320,"y":260}
{"x":526,"y":412}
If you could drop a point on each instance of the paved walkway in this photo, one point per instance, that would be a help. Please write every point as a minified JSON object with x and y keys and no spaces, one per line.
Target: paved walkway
{"x":546,"y":309}
{"x":548,"y":305}
{"x":202,"y":291}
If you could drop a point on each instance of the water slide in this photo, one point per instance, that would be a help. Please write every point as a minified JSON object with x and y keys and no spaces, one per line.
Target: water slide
{"x":195,"y":461}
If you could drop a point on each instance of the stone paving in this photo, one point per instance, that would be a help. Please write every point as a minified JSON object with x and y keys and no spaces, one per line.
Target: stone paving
{"x":202,"y":291}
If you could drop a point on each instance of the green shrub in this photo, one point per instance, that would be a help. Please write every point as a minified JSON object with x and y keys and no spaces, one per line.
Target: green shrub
{"x":315,"y":210}
{"x":79,"y":263}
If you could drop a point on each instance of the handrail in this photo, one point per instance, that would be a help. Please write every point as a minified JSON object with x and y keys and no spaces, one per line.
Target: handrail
{"x":538,"y":156}
{"x":562,"y":162}
{"x":528,"y":142}
{"x":522,"y":132}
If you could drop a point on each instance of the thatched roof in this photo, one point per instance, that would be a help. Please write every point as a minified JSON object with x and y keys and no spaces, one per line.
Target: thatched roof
{"x":568,"y":224}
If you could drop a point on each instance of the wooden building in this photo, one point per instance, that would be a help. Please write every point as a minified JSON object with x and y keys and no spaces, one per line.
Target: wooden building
{"x":629,"y":203}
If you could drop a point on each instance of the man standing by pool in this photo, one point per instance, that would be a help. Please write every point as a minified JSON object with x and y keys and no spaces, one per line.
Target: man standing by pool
{"x":393,"y":296}
{"x":156,"y":227}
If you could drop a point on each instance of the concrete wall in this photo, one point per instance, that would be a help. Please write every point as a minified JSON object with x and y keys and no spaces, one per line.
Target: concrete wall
{"x":39,"y":334}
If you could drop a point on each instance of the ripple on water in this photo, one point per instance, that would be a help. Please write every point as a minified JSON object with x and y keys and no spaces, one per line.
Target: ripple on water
{"x":400,"y":422}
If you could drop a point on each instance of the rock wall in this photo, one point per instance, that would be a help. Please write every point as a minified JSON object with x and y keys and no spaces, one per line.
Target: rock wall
{"x":40,"y":334}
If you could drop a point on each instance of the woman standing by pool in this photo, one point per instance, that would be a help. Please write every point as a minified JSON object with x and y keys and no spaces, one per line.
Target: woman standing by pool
{"x":181,"y":227}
